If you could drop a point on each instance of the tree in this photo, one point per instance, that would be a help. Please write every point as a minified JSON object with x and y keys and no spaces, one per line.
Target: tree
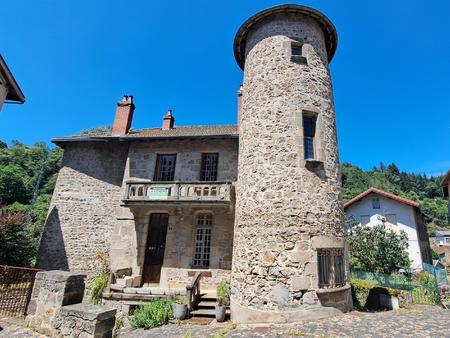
{"x":13,"y":185}
{"x":16,"y":248}
{"x":377,"y":249}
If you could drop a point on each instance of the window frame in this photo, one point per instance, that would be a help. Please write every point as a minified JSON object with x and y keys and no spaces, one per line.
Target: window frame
{"x":202,"y":167}
{"x":309,"y":141}
{"x":376,"y":204}
{"x":297,"y":58}
{"x":202,"y":261}
{"x":158,"y":173}
{"x":331,"y":267}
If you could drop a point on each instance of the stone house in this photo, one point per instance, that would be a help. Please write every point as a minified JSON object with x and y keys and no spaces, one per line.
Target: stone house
{"x":257,"y":203}
{"x":9,"y":89}
{"x":375,"y":206}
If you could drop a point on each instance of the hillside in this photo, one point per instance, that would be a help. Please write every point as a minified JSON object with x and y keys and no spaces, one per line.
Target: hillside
{"x":28,"y":175}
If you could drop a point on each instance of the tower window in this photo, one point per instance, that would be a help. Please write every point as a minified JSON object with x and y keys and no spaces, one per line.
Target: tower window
{"x":209,"y":167}
{"x":331,"y":267}
{"x":309,"y":131}
{"x":297,"y":53}
{"x":202,"y":241}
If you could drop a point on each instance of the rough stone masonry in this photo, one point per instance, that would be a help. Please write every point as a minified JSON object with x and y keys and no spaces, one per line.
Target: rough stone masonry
{"x":286,"y":207}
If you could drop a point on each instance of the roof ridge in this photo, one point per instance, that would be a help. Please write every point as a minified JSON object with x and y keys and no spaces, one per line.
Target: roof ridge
{"x":383,"y":193}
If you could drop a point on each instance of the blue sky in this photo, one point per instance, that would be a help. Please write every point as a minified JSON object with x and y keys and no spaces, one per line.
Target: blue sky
{"x":75,"y":59}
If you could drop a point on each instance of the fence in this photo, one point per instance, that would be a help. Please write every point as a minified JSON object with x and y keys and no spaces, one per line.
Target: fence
{"x":423,"y":287}
{"x":16,"y":285}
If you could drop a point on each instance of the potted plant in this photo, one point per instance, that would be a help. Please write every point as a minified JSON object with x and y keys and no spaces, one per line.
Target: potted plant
{"x":179,"y":307}
{"x":223,"y":300}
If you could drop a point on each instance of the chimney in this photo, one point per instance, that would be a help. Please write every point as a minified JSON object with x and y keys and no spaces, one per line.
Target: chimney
{"x":239,"y":102}
{"x":124,"y":116}
{"x":168,"y":120}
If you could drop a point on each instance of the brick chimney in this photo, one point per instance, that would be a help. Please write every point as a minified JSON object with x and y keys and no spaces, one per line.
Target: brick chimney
{"x":124,"y":115}
{"x":168,"y":120}
{"x":239,"y":102}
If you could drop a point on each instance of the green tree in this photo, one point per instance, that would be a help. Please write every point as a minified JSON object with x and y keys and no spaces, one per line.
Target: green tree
{"x":13,"y":184}
{"x":377,"y":249}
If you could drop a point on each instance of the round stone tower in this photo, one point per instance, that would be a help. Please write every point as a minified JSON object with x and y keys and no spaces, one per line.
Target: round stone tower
{"x":289,"y":250}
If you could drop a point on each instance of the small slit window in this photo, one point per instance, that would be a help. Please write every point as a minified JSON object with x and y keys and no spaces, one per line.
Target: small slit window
{"x":331,"y":267}
{"x":309,"y":131}
{"x":297,"y":53}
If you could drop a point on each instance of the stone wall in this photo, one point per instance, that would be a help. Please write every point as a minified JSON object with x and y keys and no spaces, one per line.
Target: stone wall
{"x":286,"y":207}
{"x":84,"y":206}
{"x":130,"y":232}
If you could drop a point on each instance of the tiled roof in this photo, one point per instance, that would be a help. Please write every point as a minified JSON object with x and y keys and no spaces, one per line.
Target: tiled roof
{"x":186,"y":131}
{"x":382,"y":193}
{"x":213,"y":131}
{"x":443,"y":232}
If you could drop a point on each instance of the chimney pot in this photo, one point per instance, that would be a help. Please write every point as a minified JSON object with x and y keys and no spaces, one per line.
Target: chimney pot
{"x":124,"y":116}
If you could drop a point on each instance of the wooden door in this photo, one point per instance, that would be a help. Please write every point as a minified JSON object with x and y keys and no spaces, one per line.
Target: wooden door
{"x":155,"y":247}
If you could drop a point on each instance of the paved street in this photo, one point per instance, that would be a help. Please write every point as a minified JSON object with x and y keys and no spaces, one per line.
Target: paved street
{"x":422,"y":321}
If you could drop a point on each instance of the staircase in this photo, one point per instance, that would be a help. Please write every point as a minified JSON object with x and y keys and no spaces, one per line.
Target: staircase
{"x":205,"y":307}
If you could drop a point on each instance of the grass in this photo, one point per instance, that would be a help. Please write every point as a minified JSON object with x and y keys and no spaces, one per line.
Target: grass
{"x":97,"y":285}
{"x":152,"y":314}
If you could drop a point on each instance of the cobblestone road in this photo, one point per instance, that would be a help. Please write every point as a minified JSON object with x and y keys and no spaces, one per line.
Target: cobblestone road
{"x":422,"y":321}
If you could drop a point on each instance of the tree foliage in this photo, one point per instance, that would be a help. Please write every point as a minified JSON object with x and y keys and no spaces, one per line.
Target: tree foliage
{"x":377,"y":249}
{"x":27,"y":179}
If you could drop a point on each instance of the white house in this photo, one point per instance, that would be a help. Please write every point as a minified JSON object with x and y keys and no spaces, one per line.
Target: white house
{"x":9,"y":89}
{"x":443,"y":237}
{"x":374,"y":206}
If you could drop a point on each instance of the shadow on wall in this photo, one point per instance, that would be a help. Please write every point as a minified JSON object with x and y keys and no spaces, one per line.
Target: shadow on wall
{"x":52,"y":251}
{"x":104,"y":162}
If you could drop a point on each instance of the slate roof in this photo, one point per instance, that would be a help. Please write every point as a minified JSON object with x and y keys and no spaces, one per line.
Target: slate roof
{"x":382,"y":193}
{"x":180,"y":132}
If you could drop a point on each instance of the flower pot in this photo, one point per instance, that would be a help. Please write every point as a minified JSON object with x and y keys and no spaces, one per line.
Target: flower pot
{"x":179,"y":311}
{"x":220,"y":312}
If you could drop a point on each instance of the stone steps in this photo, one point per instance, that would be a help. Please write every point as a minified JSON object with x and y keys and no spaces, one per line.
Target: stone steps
{"x":206,"y":307}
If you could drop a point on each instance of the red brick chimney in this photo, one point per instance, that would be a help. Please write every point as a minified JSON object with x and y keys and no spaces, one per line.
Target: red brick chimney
{"x":124,"y":115}
{"x":168,"y":120}
{"x":239,"y":102}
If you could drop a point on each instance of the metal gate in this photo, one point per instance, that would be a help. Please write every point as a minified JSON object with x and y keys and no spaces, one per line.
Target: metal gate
{"x":16,"y":285}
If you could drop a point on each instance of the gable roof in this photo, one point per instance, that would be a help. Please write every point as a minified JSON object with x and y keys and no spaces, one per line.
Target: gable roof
{"x":381,"y":193}
{"x":14,"y":92}
{"x":182,"y":132}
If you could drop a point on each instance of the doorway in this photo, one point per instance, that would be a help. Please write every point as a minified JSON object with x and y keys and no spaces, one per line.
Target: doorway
{"x":155,"y":247}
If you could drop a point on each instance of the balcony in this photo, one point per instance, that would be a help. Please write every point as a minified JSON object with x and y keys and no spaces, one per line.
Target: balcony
{"x":175,"y":193}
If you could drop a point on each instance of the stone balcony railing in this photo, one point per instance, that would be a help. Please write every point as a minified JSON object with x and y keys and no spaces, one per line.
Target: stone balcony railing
{"x":138,"y":192}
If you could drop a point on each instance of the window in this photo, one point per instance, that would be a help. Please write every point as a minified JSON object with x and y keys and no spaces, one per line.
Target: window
{"x":297,"y":53}
{"x":209,"y":167}
{"x":376,"y":203}
{"x":165,"y":167}
{"x":309,"y":131}
{"x":365,"y":219}
{"x":331,"y":267}
{"x":391,"y":218}
{"x":202,"y":241}
{"x":296,"y":50}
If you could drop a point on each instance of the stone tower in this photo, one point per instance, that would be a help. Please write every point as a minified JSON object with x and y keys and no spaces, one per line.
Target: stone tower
{"x":289,"y":249}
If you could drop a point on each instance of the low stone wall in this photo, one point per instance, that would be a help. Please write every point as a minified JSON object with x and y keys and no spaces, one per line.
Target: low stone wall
{"x":56,"y":310}
{"x":85,"y":320}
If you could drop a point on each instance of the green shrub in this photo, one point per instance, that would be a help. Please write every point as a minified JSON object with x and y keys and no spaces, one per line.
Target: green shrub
{"x":97,"y":286}
{"x":152,"y":314}
{"x":223,"y":293}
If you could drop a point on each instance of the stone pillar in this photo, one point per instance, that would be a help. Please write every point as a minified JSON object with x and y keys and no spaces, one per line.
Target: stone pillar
{"x":287,"y":207}
{"x":51,"y":291}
